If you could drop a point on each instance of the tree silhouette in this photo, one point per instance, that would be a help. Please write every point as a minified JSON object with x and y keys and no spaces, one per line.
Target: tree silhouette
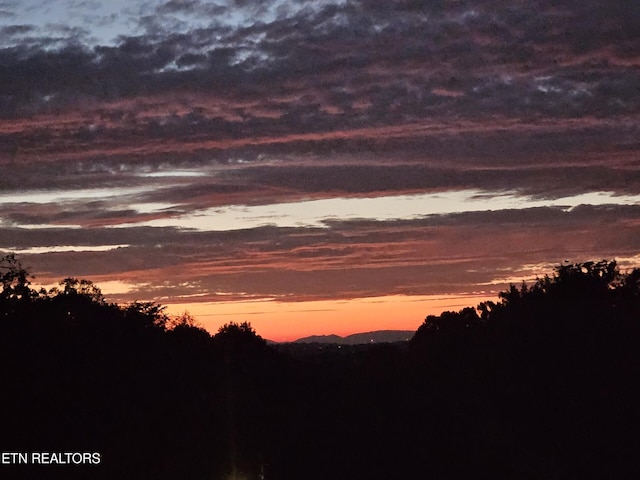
{"x":247,"y":368}
{"x":16,"y":286}
{"x":147,"y":315}
{"x":548,"y":365}
{"x":239,"y":338}
{"x":183,"y":320}
{"x":72,"y":286}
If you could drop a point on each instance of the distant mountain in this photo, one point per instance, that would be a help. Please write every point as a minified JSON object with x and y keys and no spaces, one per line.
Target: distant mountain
{"x":380,"y":336}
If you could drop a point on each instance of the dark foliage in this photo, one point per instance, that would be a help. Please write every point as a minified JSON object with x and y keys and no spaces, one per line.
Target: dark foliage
{"x":542,"y":384}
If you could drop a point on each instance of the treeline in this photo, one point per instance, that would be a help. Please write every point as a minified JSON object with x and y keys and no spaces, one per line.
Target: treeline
{"x":543,"y":383}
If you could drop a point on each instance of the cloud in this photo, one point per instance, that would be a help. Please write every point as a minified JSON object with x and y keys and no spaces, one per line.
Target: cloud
{"x":273,"y":103}
{"x":365,"y":43}
{"x":12,"y":30}
{"x":348,"y":260}
{"x":174,"y":6}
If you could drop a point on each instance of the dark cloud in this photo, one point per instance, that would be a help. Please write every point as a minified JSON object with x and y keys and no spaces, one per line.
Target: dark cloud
{"x":12,"y":30}
{"x":550,"y":181}
{"x":73,"y":34}
{"x":508,"y":60}
{"x":174,"y":6}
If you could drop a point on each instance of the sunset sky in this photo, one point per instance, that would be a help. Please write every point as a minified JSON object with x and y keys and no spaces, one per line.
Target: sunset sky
{"x":317,"y":167}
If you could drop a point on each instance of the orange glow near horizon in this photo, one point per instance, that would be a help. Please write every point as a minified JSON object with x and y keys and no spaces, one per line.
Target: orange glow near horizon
{"x":288,"y":321}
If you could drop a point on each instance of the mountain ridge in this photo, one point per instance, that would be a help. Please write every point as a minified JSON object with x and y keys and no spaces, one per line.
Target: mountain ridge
{"x":377,"y":336}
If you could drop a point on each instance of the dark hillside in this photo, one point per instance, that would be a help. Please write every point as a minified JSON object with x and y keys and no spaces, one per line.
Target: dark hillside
{"x":540,"y":385}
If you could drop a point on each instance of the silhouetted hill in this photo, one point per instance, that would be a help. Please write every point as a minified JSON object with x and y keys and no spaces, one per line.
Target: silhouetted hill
{"x":379,"y":336}
{"x":321,"y":339}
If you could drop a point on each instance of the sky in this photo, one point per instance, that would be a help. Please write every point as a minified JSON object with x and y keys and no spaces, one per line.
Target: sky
{"x":317,"y":167}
